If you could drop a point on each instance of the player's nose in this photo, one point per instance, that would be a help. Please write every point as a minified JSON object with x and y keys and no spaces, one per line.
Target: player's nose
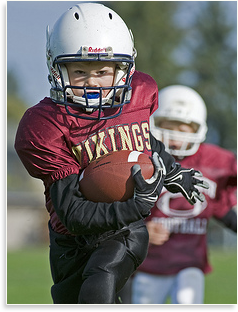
{"x":174,"y":144}
{"x":91,"y":81}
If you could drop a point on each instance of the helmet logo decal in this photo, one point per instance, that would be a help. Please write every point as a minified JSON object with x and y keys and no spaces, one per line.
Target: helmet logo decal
{"x":131,"y":73}
{"x":54,"y":73}
{"x":96,"y":50}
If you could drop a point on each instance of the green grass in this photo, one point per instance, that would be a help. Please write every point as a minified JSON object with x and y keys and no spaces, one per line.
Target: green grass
{"x":28,"y":276}
{"x":221,"y":284}
{"x":29,"y":280}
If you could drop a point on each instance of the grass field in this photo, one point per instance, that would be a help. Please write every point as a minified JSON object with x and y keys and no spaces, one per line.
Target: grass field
{"x":29,"y":279}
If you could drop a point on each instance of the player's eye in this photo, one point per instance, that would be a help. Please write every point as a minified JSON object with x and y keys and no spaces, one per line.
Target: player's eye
{"x":102,"y":72}
{"x":79,"y":72}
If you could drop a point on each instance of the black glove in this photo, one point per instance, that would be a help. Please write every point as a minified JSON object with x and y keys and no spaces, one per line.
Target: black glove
{"x":183,"y":180}
{"x":147,"y":191}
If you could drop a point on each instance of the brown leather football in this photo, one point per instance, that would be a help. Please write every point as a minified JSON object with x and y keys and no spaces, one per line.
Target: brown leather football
{"x":108,"y":178}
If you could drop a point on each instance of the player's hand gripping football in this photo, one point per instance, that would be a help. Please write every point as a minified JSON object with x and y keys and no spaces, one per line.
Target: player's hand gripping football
{"x":184,"y":181}
{"x":147,"y":191}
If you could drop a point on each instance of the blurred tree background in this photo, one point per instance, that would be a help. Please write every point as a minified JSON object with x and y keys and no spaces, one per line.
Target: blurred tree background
{"x":15,"y":105}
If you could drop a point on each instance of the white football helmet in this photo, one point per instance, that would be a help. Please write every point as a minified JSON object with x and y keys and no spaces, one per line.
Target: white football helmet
{"x":183,"y":104}
{"x":90,"y":32}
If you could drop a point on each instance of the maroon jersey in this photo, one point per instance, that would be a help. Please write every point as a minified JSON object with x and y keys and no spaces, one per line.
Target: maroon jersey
{"x":187,"y":224}
{"x":53,"y":144}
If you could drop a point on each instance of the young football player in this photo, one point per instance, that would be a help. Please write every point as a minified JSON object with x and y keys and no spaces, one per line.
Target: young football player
{"x":177,"y":258}
{"x":98,"y":104}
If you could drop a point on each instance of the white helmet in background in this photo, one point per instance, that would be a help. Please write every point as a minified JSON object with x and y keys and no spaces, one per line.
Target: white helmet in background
{"x":90,"y":32}
{"x":183,"y":104}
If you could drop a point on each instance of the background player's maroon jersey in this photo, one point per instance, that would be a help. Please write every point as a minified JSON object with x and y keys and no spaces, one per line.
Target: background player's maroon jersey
{"x":187,"y":245}
{"x":53,"y":145}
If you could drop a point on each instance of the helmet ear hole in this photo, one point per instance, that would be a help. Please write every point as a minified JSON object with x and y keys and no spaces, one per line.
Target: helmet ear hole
{"x":76,"y":16}
{"x":110,"y":15}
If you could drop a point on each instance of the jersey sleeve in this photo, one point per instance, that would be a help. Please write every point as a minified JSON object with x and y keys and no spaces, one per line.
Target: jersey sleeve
{"x":158,"y":146}
{"x":155,"y":98}
{"x":145,"y":93}
{"x":40,"y":143}
{"x":226,"y":194}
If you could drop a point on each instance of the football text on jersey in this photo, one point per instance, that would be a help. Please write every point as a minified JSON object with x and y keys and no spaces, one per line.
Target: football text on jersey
{"x":120,"y":137}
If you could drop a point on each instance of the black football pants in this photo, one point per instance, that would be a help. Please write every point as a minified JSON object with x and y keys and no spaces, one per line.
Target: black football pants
{"x":95,"y":274}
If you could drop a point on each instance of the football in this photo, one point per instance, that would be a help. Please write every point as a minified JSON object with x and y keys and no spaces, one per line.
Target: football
{"x":108,"y":178}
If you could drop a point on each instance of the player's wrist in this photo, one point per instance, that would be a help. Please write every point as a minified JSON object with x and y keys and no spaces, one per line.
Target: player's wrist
{"x":144,"y":206}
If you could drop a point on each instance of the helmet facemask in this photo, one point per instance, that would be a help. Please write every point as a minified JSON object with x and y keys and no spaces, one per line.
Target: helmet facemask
{"x":119,"y":94}
{"x":190,"y":142}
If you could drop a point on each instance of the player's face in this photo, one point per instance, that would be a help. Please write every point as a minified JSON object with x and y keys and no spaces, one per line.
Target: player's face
{"x":177,"y":126}
{"x":91,"y":74}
